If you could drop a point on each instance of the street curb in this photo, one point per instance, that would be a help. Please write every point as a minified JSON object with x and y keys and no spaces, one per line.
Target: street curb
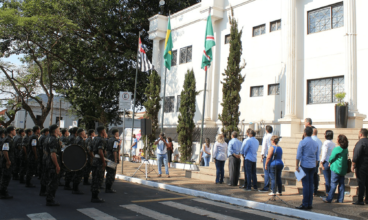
{"x":234,"y":201}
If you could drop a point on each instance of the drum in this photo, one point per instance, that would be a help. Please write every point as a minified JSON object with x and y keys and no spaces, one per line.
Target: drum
{"x":74,"y":157}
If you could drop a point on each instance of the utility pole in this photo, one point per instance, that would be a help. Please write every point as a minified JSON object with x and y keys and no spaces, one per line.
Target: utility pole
{"x":60,"y":113}
{"x":25,"y":117}
{"x":52,"y":111}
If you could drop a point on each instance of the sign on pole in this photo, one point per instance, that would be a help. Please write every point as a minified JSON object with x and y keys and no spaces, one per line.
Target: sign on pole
{"x":125,"y":100}
{"x":61,"y":123}
{"x":75,"y":123}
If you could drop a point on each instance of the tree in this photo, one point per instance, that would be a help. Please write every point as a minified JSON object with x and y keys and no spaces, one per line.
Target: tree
{"x":13,"y":104}
{"x":232,"y":81}
{"x":23,"y":84}
{"x":187,"y":111}
{"x":93,"y":44}
{"x":152,"y":105}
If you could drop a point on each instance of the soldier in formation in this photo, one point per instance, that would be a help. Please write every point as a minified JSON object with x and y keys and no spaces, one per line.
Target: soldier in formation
{"x":32,"y":156}
{"x":113,"y":155}
{"x":8,"y":160}
{"x":99,"y":163}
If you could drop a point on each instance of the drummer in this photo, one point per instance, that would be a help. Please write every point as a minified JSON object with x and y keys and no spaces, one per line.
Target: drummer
{"x":77,"y":178}
{"x":69,"y":175}
{"x":113,"y":148}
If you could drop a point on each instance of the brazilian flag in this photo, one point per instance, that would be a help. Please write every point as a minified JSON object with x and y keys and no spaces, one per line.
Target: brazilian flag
{"x":168,"y":47}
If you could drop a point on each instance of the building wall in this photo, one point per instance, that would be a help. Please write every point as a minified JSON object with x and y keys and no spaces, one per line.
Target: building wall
{"x":318,"y":55}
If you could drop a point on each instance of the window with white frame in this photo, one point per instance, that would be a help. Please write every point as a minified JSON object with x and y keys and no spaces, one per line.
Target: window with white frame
{"x":324,"y":90}
{"x":274,"y":89}
{"x":169,"y":104}
{"x":259,"y":30}
{"x":326,"y":18}
{"x":186,"y":55}
{"x":256,"y":91}
{"x":275,"y":25}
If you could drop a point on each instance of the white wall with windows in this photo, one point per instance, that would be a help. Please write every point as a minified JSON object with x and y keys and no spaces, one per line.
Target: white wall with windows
{"x":320,"y":58}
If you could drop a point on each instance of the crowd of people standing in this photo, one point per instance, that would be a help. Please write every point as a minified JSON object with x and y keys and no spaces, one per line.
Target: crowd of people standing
{"x":311,"y":154}
{"x":29,"y":153}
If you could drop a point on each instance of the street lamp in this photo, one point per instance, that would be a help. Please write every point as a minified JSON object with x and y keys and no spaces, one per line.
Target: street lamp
{"x":162,"y":3}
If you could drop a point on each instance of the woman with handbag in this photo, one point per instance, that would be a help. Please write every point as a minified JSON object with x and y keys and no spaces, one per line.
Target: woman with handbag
{"x":207,"y":152}
{"x":274,"y":162}
{"x":219,"y":156}
{"x":339,"y":167}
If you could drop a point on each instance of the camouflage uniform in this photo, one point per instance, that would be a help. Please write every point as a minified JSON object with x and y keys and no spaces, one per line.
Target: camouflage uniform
{"x":40,"y":155}
{"x":8,"y":145}
{"x":44,"y":174}
{"x":112,"y":146}
{"x":88,"y":168}
{"x":69,"y":175}
{"x":23,"y":158}
{"x":16,"y":167}
{"x":64,"y":140}
{"x":32,"y":163}
{"x":52,"y":146}
{"x":97,"y":143}
{"x":77,"y":177}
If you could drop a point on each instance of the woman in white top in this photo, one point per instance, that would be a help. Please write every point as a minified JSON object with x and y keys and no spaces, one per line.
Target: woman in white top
{"x":327,"y":148}
{"x":219,"y":156}
{"x":206,"y":152}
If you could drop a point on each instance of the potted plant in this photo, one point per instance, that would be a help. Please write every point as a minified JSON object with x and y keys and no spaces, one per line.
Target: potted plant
{"x":341,"y":111}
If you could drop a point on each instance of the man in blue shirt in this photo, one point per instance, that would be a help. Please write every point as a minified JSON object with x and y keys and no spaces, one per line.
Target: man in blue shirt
{"x":244,"y":168}
{"x":316,"y":176}
{"x":162,"y":155}
{"x":250,"y":156}
{"x":233,"y":153}
{"x":307,"y":156}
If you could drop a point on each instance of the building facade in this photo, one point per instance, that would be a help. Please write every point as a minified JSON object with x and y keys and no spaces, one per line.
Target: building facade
{"x":61,"y":108}
{"x":298,"y":54}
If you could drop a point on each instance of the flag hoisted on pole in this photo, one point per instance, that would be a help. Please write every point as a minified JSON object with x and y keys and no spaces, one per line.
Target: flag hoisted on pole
{"x":167,"y":58}
{"x":209,"y":42}
{"x":143,"y":61}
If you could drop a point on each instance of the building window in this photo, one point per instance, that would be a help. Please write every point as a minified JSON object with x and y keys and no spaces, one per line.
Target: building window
{"x":324,"y":90}
{"x":275,"y":26}
{"x":227,"y":39}
{"x":274,"y":89}
{"x":174,"y":57}
{"x":326,"y":18}
{"x":186,"y":55}
{"x":259,"y":30}
{"x":169,"y":104}
{"x":178,"y":103}
{"x":256,"y":91}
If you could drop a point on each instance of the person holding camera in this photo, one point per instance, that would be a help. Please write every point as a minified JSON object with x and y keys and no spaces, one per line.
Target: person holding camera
{"x":162,"y":154}
{"x":275,"y":165}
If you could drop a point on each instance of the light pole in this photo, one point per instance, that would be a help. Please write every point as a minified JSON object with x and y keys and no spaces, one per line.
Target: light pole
{"x":162,"y":4}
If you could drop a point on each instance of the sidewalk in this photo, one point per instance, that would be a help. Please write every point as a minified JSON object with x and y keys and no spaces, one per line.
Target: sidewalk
{"x":345,"y":210}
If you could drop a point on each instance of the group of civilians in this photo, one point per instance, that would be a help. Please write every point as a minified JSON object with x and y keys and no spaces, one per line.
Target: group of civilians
{"x":333,"y":161}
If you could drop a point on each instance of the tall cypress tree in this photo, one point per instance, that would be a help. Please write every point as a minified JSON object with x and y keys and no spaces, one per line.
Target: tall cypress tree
{"x":186,"y":117}
{"x":232,"y":81}
{"x":152,"y":105}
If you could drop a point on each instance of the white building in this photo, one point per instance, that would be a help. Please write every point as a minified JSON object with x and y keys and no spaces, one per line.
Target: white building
{"x":298,"y":54}
{"x":60,"y":105}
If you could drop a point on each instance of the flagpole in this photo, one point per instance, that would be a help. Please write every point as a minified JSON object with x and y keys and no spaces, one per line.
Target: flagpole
{"x":204,"y":108}
{"x":204,"y":99}
{"x":135,"y":93}
{"x":163,"y":104}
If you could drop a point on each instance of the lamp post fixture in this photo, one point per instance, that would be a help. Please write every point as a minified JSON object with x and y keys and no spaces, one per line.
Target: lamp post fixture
{"x":162,"y":4}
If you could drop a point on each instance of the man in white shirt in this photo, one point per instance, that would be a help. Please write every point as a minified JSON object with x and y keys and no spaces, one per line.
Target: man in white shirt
{"x":319,"y":142}
{"x":266,"y":144}
{"x":326,"y":151}
{"x":162,"y":154}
